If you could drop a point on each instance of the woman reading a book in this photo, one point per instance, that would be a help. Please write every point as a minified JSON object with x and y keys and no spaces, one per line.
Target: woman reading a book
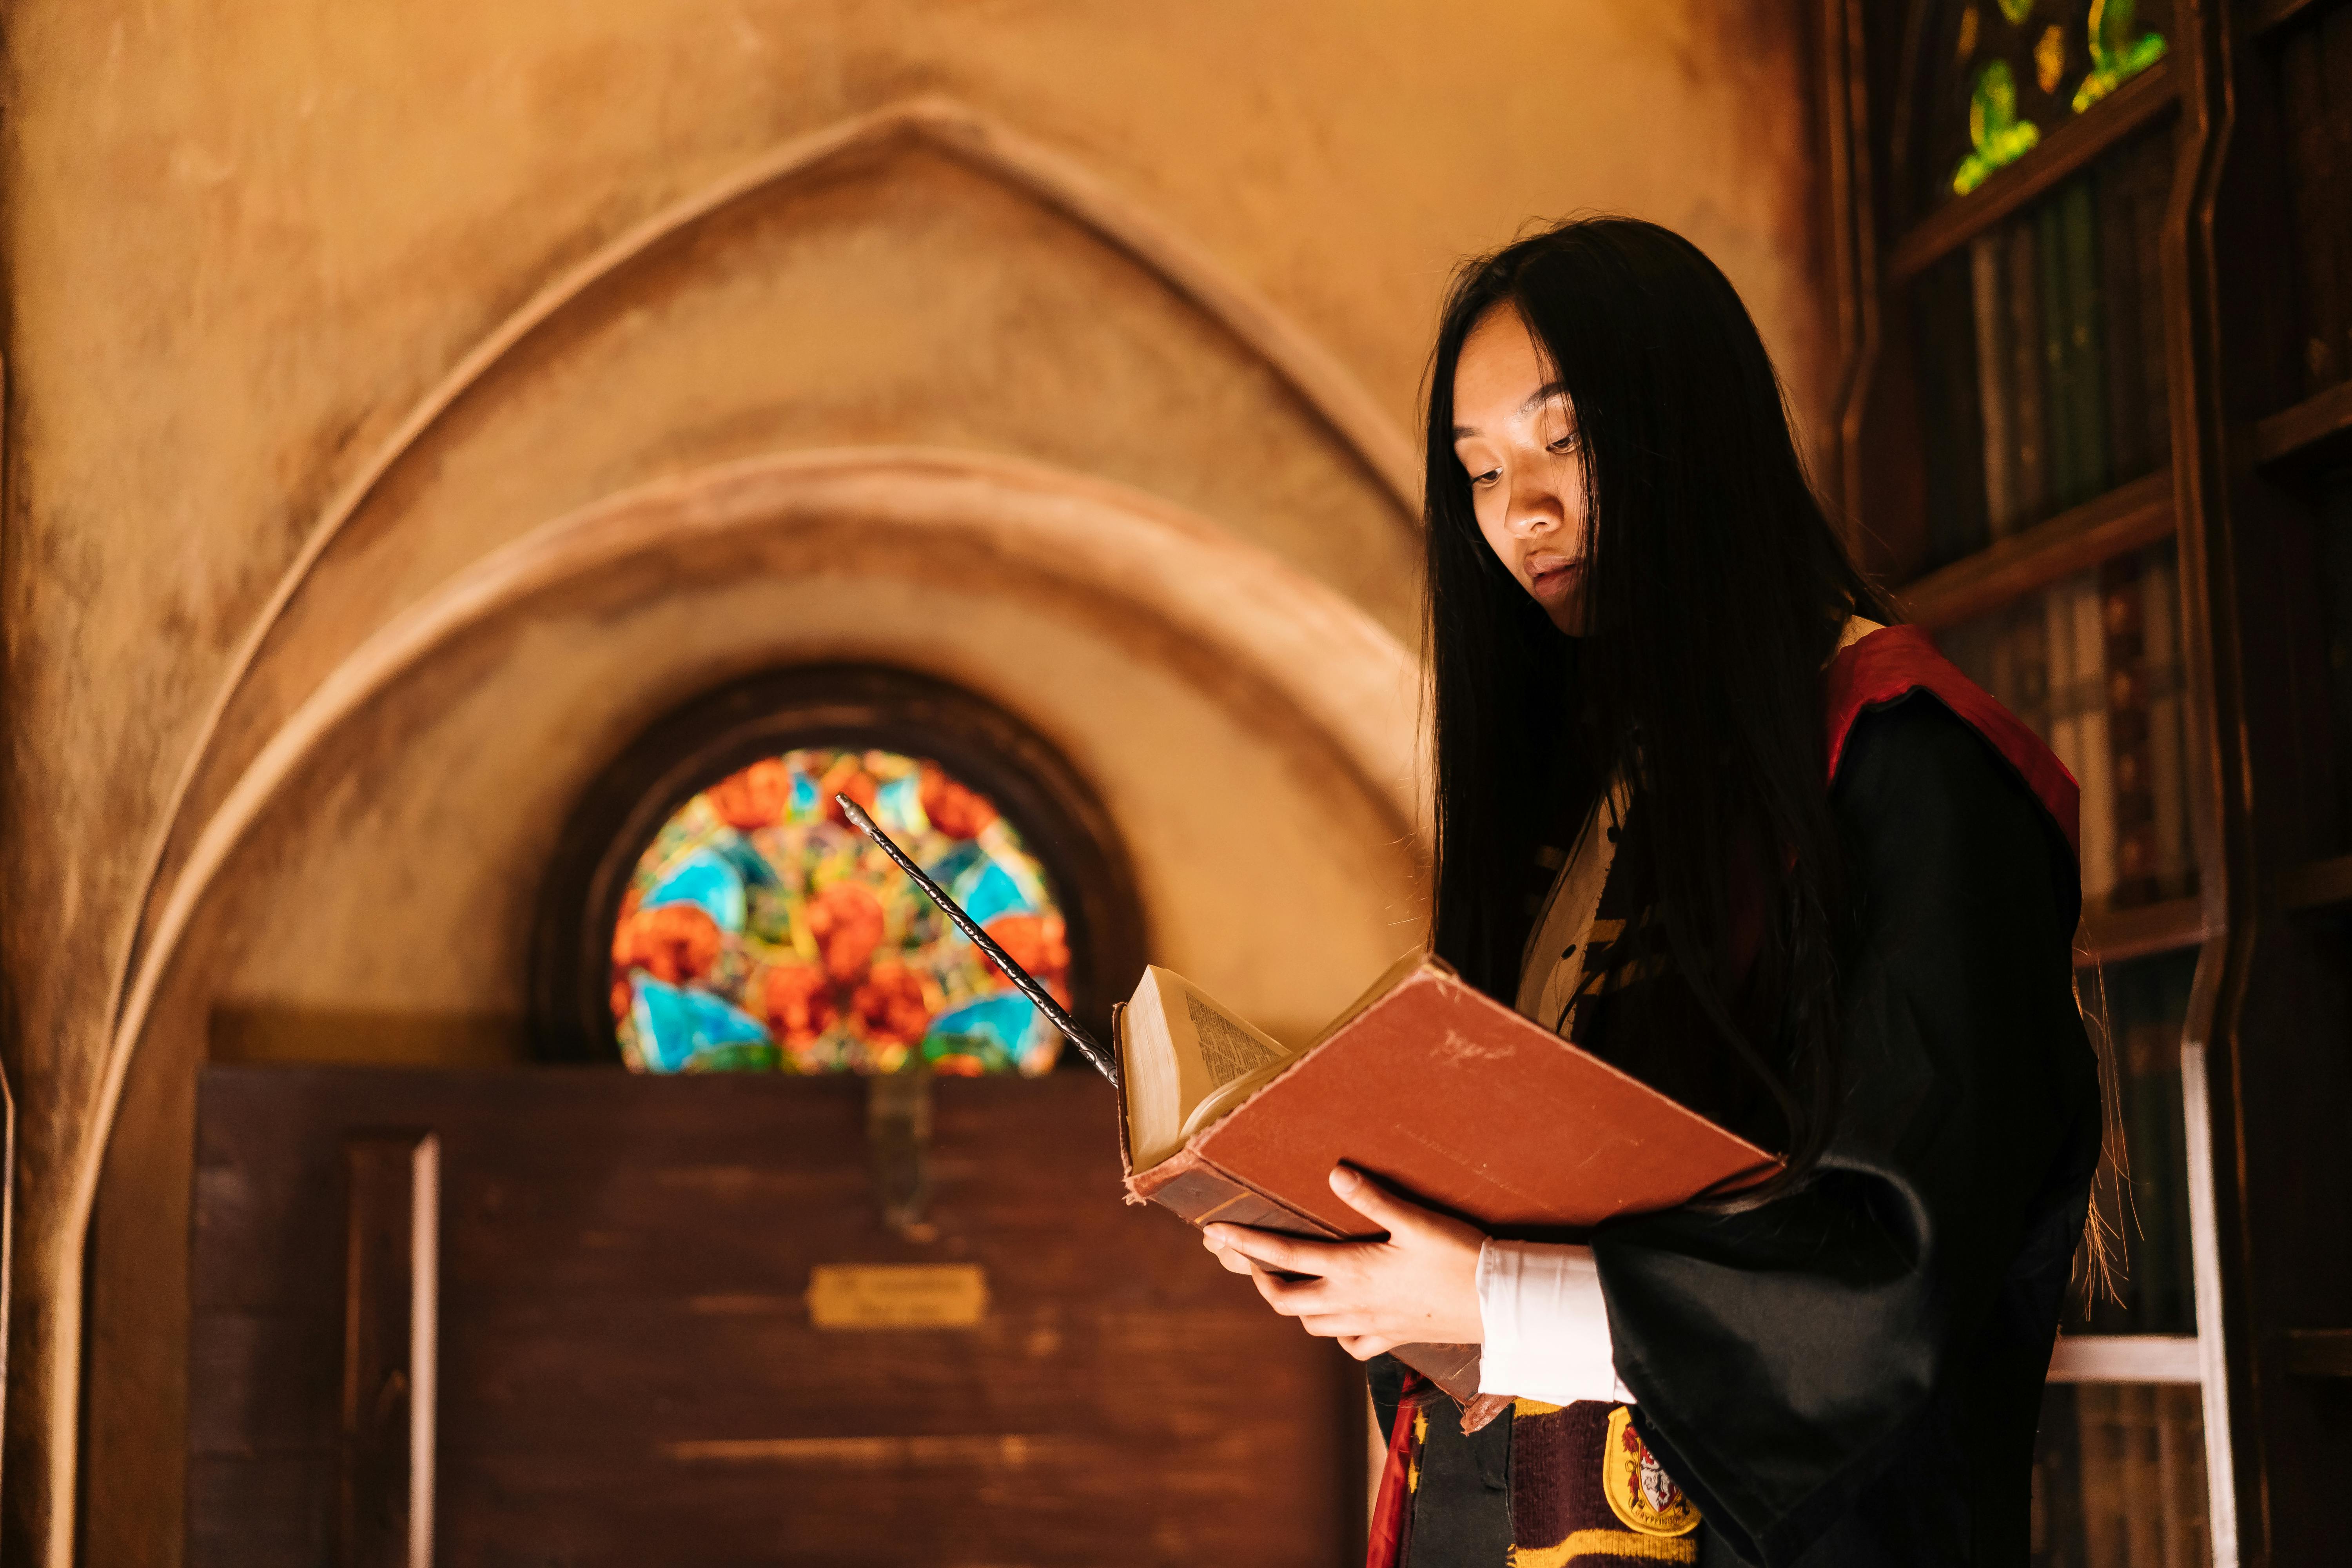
{"x":1705,"y":811}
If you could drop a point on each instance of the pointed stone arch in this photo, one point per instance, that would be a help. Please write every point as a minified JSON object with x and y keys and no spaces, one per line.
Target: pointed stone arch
{"x":200,"y":810}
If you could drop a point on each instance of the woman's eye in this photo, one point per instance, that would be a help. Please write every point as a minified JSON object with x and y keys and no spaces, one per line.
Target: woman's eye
{"x":1488,"y":477}
{"x":1565,"y":444}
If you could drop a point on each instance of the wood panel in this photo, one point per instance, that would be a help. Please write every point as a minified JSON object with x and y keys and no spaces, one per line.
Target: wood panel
{"x":627,"y":1370}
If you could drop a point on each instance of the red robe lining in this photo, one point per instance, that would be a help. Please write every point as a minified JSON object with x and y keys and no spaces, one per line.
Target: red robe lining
{"x":1895,"y":661}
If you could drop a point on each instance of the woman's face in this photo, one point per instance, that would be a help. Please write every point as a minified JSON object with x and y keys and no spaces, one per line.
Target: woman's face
{"x":1515,"y":432}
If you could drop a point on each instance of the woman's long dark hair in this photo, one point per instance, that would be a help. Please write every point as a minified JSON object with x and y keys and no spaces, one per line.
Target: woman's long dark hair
{"x":1716,"y":591}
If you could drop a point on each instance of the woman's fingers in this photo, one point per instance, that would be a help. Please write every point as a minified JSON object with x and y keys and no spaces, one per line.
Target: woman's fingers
{"x":1231,"y":1261}
{"x":1291,"y":1298}
{"x":1292,"y":1257}
{"x":1368,"y":1198}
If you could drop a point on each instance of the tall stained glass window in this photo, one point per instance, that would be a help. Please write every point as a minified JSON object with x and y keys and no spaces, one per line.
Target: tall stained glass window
{"x":758,"y":931}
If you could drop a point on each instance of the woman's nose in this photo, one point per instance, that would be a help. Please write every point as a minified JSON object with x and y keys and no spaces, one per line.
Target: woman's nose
{"x":1533,"y":511}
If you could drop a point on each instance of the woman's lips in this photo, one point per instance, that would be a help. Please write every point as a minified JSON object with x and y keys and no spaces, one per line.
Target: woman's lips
{"x":1554,"y":579}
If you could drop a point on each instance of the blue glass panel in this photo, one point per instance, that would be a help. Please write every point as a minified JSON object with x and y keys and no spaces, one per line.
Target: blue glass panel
{"x":990,"y":1034}
{"x":988,"y":891}
{"x":676,"y":1023}
{"x":706,"y":878}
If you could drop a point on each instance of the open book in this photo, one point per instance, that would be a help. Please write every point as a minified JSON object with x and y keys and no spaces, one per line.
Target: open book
{"x":1185,"y":1061}
{"x":1424,"y":1082}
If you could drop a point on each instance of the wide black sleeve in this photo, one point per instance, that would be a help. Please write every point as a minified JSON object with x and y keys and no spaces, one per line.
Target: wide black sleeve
{"x":1784,"y":1356}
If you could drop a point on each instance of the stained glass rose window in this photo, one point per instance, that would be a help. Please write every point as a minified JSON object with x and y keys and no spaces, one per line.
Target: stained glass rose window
{"x":759,"y":931}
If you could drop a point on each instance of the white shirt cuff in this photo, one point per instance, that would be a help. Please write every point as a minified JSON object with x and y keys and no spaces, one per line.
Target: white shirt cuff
{"x":1547,"y":1328}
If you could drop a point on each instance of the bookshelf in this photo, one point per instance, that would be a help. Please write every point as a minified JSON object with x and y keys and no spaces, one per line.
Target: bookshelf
{"x":2318,"y":884}
{"x":2306,"y":429}
{"x":2119,"y":936}
{"x":2097,"y":435}
{"x":2130,"y":517}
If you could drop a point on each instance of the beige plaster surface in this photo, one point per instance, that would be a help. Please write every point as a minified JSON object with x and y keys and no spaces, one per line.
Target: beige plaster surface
{"x":404,"y":816}
{"x":243,"y":240}
{"x":376,"y":889}
{"x":1269,"y":875}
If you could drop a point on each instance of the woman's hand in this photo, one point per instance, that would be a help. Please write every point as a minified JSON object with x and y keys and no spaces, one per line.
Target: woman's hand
{"x":1419,"y":1285}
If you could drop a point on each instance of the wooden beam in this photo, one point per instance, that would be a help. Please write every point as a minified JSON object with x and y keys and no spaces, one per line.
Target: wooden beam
{"x":2319,"y":1352}
{"x":2114,"y":936}
{"x":2125,"y":1358}
{"x":2318,"y":884}
{"x":2268,"y":14}
{"x":2131,"y":518}
{"x":2314,"y":419}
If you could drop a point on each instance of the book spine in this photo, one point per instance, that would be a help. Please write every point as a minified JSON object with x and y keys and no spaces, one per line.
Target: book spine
{"x":1995,"y":367}
{"x":2125,"y":313}
{"x":2028,"y":646}
{"x":2065,"y":731}
{"x":2181,"y":1459}
{"x":2085,"y":353}
{"x":2059,"y":398}
{"x":2151,"y":185}
{"x":2058,"y":1480}
{"x":2030,"y":418}
{"x":2138,"y":1480}
{"x":1199,"y":1193}
{"x":1952,"y":424}
{"x":2104,"y":1541}
{"x":2120,"y":590}
{"x":2088,"y":697}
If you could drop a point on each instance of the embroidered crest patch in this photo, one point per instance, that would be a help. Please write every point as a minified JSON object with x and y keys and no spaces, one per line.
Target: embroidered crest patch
{"x":1639,"y":1491}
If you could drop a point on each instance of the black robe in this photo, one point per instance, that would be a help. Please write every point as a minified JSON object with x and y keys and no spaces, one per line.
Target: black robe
{"x":1852,"y":1375}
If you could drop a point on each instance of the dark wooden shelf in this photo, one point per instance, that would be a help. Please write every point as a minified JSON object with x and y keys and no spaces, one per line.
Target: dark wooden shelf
{"x":2319,"y":1352}
{"x":2116,"y":936}
{"x":2318,"y":884}
{"x":2125,"y":1358}
{"x":2293,"y":431}
{"x":2262,"y":17}
{"x":2131,"y":518}
{"x":2064,"y":152}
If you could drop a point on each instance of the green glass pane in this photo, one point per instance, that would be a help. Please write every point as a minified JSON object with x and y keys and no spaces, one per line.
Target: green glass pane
{"x":2117,"y":55}
{"x":1997,"y":137}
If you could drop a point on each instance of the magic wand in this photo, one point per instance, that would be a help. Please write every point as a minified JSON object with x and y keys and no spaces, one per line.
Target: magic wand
{"x":1019,"y":977}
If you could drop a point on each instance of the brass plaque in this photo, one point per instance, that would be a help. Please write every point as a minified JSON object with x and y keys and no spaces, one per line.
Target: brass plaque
{"x":897,"y":1295}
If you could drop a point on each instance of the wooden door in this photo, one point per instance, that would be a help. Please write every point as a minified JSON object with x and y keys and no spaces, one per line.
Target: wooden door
{"x":561,"y":1317}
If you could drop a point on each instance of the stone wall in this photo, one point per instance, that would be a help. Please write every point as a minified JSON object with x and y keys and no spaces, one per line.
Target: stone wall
{"x":405,"y":404}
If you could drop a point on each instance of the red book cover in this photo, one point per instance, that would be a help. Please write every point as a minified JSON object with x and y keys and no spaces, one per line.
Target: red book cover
{"x":1459,"y":1101}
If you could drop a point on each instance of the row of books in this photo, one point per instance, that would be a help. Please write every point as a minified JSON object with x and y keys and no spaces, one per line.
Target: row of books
{"x":2315,"y":61}
{"x":2093,"y":663}
{"x":2041,"y":356}
{"x":2143,"y":1006}
{"x":2119,"y":1478}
